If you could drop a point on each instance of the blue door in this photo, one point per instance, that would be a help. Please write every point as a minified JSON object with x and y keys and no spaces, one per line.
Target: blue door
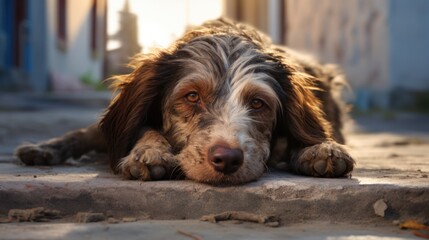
{"x":14,"y":39}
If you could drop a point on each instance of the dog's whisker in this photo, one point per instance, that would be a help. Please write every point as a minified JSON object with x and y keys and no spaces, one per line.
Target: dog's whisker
{"x":177,"y":170}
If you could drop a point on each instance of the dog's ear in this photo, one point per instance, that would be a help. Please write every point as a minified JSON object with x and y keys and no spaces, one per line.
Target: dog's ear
{"x":301,"y":119}
{"x":136,"y":107}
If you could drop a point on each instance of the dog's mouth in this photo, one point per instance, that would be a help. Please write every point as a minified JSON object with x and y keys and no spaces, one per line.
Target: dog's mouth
{"x":222,"y":161}
{"x":209,"y":174}
{"x":221,"y":180}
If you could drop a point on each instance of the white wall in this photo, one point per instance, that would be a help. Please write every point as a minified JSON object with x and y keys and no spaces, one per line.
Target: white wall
{"x":352,"y":33}
{"x":77,"y":58}
{"x":382,"y":45}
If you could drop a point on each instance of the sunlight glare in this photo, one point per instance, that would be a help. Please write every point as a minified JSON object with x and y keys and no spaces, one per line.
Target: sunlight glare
{"x":160,"y":22}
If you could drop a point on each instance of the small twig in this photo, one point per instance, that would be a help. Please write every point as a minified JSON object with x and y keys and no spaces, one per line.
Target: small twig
{"x":39,"y":214}
{"x":270,"y":221}
{"x":421,"y":234}
{"x":190,"y":235}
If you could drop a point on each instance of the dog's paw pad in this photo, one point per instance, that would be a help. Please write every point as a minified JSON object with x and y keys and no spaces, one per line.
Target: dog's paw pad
{"x":340,"y":167}
{"x":140,"y":172}
{"x":320,"y":167}
{"x":157,"y":172}
{"x":135,"y":171}
{"x":327,"y":159}
{"x":145,"y":173}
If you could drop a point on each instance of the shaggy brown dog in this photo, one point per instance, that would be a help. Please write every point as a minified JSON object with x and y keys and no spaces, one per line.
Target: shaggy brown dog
{"x":218,"y":105}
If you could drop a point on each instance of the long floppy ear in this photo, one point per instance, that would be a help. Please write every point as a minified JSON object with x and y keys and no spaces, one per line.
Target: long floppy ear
{"x":138,"y":105}
{"x":301,"y":121}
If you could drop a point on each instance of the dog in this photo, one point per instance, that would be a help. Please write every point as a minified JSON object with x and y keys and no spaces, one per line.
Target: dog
{"x":219,"y":106}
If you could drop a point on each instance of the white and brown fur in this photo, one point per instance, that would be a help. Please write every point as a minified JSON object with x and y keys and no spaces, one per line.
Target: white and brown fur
{"x":217,"y":106}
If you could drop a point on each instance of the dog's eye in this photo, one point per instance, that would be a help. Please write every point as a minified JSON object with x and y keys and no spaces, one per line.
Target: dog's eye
{"x":192,"y":97}
{"x":256,"y":104}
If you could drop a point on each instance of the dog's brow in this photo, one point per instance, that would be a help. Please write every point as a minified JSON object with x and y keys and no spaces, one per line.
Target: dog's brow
{"x":194,"y":82}
{"x":256,"y":84}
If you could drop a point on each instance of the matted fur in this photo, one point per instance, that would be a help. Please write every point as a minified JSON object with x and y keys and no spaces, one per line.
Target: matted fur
{"x":223,"y":88}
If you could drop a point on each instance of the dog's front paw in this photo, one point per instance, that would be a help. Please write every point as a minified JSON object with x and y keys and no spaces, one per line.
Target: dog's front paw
{"x":146,"y":163}
{"x":328,"y":159}
{"x":31,"y":154}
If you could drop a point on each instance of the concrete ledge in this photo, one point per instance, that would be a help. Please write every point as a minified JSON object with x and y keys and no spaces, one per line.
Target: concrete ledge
{"x":71,"y":189}
{"x":392,"y":166}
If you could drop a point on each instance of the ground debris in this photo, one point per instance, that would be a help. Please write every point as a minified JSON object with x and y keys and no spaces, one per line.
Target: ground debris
{"x":380,"y":207}
{"x":424,"y":233}
{"x":420,"y":230}
{"x":129,"y":219}
{"x":270,"y":221}
{"x":113,"y":220}
{"x":39,"y":214}
{"x":190,"y":235}
{"x":412,"y":224}
{"x":402,"y":142}
{"x":87,"y":217}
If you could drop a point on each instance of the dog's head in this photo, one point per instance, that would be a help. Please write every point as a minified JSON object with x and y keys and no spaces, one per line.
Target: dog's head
{"x":218,"y":95}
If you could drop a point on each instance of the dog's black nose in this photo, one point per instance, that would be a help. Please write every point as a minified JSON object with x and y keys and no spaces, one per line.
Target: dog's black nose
{"x":224,"y":159}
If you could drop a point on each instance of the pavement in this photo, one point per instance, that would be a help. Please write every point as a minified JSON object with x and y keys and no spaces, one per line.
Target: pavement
{"x":194,"y":229}
{"x":390,"y":184}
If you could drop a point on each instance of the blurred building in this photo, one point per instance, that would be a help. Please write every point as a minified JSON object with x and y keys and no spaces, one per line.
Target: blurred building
{"x":382,"y":45}
{"x":51,"y":44}
{"x":127,"y":39}
{"x":269,"y":16}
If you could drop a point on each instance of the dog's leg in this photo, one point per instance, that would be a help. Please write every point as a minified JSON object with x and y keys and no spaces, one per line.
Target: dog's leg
{"x":150,"y":158}
{"x":327,"y":159}
{"x":57,"y":150}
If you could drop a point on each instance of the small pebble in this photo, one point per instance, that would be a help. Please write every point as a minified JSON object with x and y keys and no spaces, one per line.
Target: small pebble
{"x":380,"y":207}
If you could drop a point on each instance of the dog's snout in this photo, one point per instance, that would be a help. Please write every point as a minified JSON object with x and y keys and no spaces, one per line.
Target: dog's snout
{"x":224,"y":159}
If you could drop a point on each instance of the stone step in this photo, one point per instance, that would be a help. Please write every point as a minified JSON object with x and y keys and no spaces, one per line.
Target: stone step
{"x":292,"y":198}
